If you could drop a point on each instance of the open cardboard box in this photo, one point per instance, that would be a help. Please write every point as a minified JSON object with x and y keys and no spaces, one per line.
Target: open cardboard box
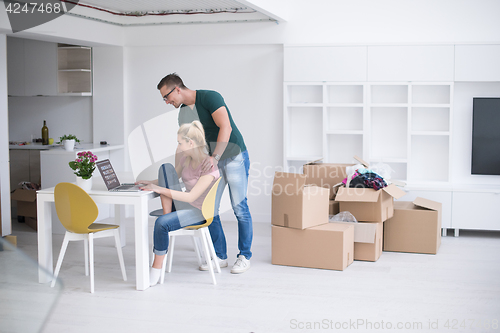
{"x":26,"y":202}
{"x":328,"y":246}
{"x":368,"y":240}
{"x":295,"y":204}
{"x":368,"y":204}
{"x":415,"y":227}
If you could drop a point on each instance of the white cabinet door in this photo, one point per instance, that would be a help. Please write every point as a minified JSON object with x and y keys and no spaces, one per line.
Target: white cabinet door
{"x":324,"y":63}
{"x":410,"y":63}
{"x":473,"y":210}
{"x":15,"y":66}
{"x":40,"y":68}
{"x":444,"y":197}
{"x":477,"y":63}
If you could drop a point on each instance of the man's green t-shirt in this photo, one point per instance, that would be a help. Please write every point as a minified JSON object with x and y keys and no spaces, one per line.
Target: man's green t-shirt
{"x":207,"y":102}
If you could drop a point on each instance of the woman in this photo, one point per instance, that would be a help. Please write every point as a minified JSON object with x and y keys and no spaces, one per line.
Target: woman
{"x":181,"y":209}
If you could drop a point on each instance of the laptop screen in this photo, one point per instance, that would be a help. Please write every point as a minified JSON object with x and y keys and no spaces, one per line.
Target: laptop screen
{"x":108,"y":174}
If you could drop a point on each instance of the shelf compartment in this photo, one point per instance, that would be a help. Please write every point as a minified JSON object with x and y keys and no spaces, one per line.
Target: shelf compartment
{"x":304,"y":137}
{"x":388,"y":94}
{"x":430,"y":119}
{"x":74,"y":58}
{"x":342,"y":147}
{"x":305,"y":94}
{"x":74,"y":82}
{"x":431,"y":94}
{"x":389,"y":132}
{"x":399,"y":168}
{"x":345,"y":118}
{"x":430,"y":158}
{"x":345,"y":94}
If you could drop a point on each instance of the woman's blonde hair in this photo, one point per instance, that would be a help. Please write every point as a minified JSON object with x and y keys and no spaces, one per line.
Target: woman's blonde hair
{"x":194,"y":131}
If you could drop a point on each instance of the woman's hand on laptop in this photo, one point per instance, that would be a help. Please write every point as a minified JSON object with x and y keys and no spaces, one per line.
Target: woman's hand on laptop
{"x":146,"y":182}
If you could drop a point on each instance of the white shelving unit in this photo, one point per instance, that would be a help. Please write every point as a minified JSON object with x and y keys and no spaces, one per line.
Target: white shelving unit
{"x":404,"y":124}
{"x":74,"y":70}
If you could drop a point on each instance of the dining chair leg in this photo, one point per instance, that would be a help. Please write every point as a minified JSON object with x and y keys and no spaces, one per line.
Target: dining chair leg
{"x":120,"y":254}
{"x":213,"y":255}
{"x":60,"y":259}
{"x":170,"y":254}
{"x":197,"y":250}
{"x":86,"y":250}
{"x":91,"y":261}
{"x":207,"y":255}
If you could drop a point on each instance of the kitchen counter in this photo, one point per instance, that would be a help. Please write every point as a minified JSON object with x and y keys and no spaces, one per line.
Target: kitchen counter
{"x":94,"y":147}
{"x":33,"y":146}
{"x":55,"y":148}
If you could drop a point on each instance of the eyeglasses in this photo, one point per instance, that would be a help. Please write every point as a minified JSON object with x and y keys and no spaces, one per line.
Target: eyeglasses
{"x":165,"y":98}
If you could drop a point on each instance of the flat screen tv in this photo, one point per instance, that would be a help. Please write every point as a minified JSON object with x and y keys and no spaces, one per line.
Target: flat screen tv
{"x":486,"y":136}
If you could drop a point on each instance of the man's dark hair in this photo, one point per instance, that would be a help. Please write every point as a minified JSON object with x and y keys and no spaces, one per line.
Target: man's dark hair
{"x":171,"y":80}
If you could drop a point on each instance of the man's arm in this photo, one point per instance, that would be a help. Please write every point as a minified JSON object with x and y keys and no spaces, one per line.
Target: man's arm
{"x":221,"y":119}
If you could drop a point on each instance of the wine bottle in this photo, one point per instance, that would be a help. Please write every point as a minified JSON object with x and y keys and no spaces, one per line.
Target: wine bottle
{"x":45,"y":134}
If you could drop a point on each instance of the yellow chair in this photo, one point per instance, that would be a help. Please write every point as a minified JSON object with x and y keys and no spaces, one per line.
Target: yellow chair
{"x":77,"y":212}
{"x":209,"y":207}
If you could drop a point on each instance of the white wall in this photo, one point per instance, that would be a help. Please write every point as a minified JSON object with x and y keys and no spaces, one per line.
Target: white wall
{"x":64,"y":115}
{"x":248,"y":77}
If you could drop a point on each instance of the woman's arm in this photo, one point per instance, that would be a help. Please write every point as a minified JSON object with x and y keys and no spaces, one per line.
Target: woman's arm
{"x":199,"y":188}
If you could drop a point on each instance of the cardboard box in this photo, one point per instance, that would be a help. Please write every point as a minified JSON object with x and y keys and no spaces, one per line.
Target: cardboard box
{"x":328,"y":246}
{"x":415,"y":227}
{"x":325,"y":175}
{"x":333,"y":207}
{"x":367,"y":204}
{"x":31,"y":222}
{"x":368,"y":240}
{"x":296,"y":204}
{"x":26,"y":202}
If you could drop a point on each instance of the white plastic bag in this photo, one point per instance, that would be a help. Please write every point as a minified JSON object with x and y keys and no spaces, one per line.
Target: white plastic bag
{"x":344,"y":216}
{"x":383,"y":170}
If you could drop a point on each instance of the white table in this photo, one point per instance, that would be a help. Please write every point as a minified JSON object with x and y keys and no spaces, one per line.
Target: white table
{"x":139,"y":200}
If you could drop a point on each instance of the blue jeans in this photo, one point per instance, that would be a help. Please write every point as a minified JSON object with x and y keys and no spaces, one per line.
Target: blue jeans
{"x":234,"y":173}
{"x":183,"y":214}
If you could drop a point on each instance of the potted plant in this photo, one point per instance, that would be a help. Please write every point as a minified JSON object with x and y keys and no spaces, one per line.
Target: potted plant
{"x":84,"y":166}
{"x":68,"y":140}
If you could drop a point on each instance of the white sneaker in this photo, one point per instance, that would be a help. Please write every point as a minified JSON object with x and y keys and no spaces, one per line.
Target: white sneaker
{"x":241,"y":265}
{"x":222,"y":264}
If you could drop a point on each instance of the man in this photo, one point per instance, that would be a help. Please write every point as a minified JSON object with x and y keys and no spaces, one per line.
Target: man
{"x":227,"y":149}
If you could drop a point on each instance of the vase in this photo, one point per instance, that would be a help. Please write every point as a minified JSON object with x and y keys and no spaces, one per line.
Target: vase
{"x":69,"y":144}
{"x":85,"y":184}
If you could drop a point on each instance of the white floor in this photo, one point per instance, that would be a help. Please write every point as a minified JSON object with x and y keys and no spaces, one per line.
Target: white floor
{"x":451,"y":291}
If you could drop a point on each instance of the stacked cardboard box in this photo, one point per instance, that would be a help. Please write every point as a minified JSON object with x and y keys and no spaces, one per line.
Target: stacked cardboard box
{"x":366,"y":204}
{"x":301,"y":234}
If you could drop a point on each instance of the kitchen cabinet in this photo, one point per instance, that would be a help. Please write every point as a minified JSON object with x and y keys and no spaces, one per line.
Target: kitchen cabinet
{"x":49,"y":69}
{"x":477,"y":63}
{"x":32,"y":67}
{"x":74,"y":70}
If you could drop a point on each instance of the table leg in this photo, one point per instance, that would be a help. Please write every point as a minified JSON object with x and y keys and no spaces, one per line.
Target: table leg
{"x":44,"y":233}
{"x":141,"y":243}
{"x":119,"y":215}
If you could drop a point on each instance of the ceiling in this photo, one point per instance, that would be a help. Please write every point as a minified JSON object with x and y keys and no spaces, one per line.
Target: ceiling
{"x":158,"y":12}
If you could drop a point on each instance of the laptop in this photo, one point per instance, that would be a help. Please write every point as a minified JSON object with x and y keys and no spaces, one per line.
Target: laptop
{"x":111,"y":180}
